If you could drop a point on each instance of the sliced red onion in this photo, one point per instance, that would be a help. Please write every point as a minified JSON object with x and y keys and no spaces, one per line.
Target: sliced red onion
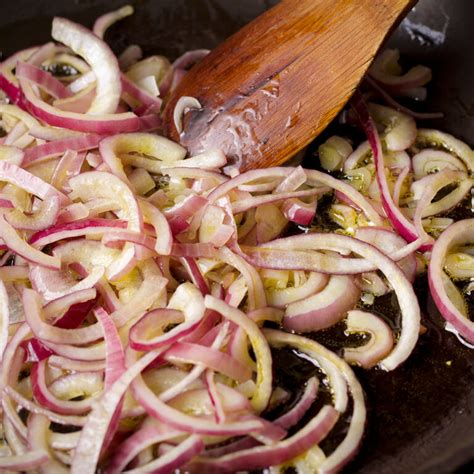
{"x":259,"y":457}
{"x":147,"y":435}
{"x":96,"y":429}
{"x":4,"y":319}
{"x":258,"y":201}
{"x":444,"y":140}
{"x":404,"y":227}
{"x":43,"y":395}
{"x":424,"y":187}
{"x":45,"y":332}
{"x":53,"y":284}
{"x":183,"y":105}
{"x":152,"y":286}
{"x":389,"y":243}
{"x":75,"y":365}
{"x":23,"y":179}
{"x":260,"y":347}
{"x":100,"y":58}
{"x":103,"y":124}
{"x":456,"y":234}
{"x":210,"y":160}
{"x":379,"y":345}
{"x":406,"y":297}
{"x":180,"y":421}
{"x":24,"y":462}
{"x":387,"y":62}
{"x":78,"y":103}
{"x":130,"y":56}
{"x":157,"y":321}
{"x":75,"y":229}
{"x":299,"y":212}
{"x":68,"y":420}
{"x":11,"y":154}
{"x":316,"y":352}
{"x":429,"y":161}
{"x":13,"y":273}
{"x":45,"y":216}
{"x":148,"y":101}
{"x":390,"y":101}
{"x":42,"y":78}
{"x":175,"y":458}
{"x":114,"y":355}
{"x":214,"y":359}
{"x":59,"y":147}
{"x":19,"y":246}
{"x":106,"y":21}
{"x":431,"y":185}
{"x":282,"y":297}
{"x":324,"y":309}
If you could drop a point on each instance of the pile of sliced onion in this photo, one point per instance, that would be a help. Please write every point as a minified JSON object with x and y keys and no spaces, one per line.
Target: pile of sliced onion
{"x":138,"y":285}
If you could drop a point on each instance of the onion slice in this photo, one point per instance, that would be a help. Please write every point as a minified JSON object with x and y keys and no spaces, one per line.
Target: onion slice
{"x":100,"y":58}
{"x":458,"y":233}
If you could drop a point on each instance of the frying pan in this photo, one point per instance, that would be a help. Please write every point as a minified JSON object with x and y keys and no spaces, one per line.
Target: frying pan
{"x":421,"y":417}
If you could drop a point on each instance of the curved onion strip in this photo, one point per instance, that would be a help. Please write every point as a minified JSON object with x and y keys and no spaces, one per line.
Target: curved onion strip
{"x":106,"y":21}
{"x":95,"y":184}
{"x":25,"y":461}
{"x":255,"y":289}
{"x":196,"y":372}
{"x":70,"y":230}
{"x":293,"y":416}
{"x":68,"y":420}
{"x":275,"y":255}
{"x":23,"y":179}
{"x":456,"y":234}
{"x":404,"y":227}
{"x":131,"y":447}
{"x":259,"y":457}
{"x":45,"y":216}
{"x":75,"y":365}
{"x":38,"y":429}
{"x":4,"y":318}
{"x":448,"y":142}
{"x":101,"y":124}
{"x":58,"y":147}
{"x":214,"y":359}
{"x":317,"y":352}
{"x":181,"y":421}
{"x":323,"y":309}
{"x":433,"y":184}
{"x":175,"y":458}
{"x":20,"y":247}
{"x":183,"y":105}
{"x":45,"y":332}
{"x":282,"y":297}
{"x":429,"y":161}
{"x":100,"y":58}
{"x":156,"y":321}
{"x":314,"y":178}
{"x":114,"y":353}
{"x":406,"y":297}
{"x":246,"y":204}
{"x":96,"y":429}
{"x":44,"y":79}
{"x":260,"y":347}
{"x":43,"y":395}
{"x":379,"y":345}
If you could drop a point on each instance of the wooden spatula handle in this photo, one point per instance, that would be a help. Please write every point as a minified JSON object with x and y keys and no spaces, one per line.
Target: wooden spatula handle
{"x":275,"y":84}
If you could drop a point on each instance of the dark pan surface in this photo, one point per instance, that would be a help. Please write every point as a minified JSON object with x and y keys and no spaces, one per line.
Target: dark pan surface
{"x":421,"y":417}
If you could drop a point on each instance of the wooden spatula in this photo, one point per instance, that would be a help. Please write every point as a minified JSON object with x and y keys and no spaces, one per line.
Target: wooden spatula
{"x":269,"y":89}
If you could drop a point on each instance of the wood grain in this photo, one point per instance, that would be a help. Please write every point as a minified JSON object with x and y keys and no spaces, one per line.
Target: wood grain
{"x":269,"y":89}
